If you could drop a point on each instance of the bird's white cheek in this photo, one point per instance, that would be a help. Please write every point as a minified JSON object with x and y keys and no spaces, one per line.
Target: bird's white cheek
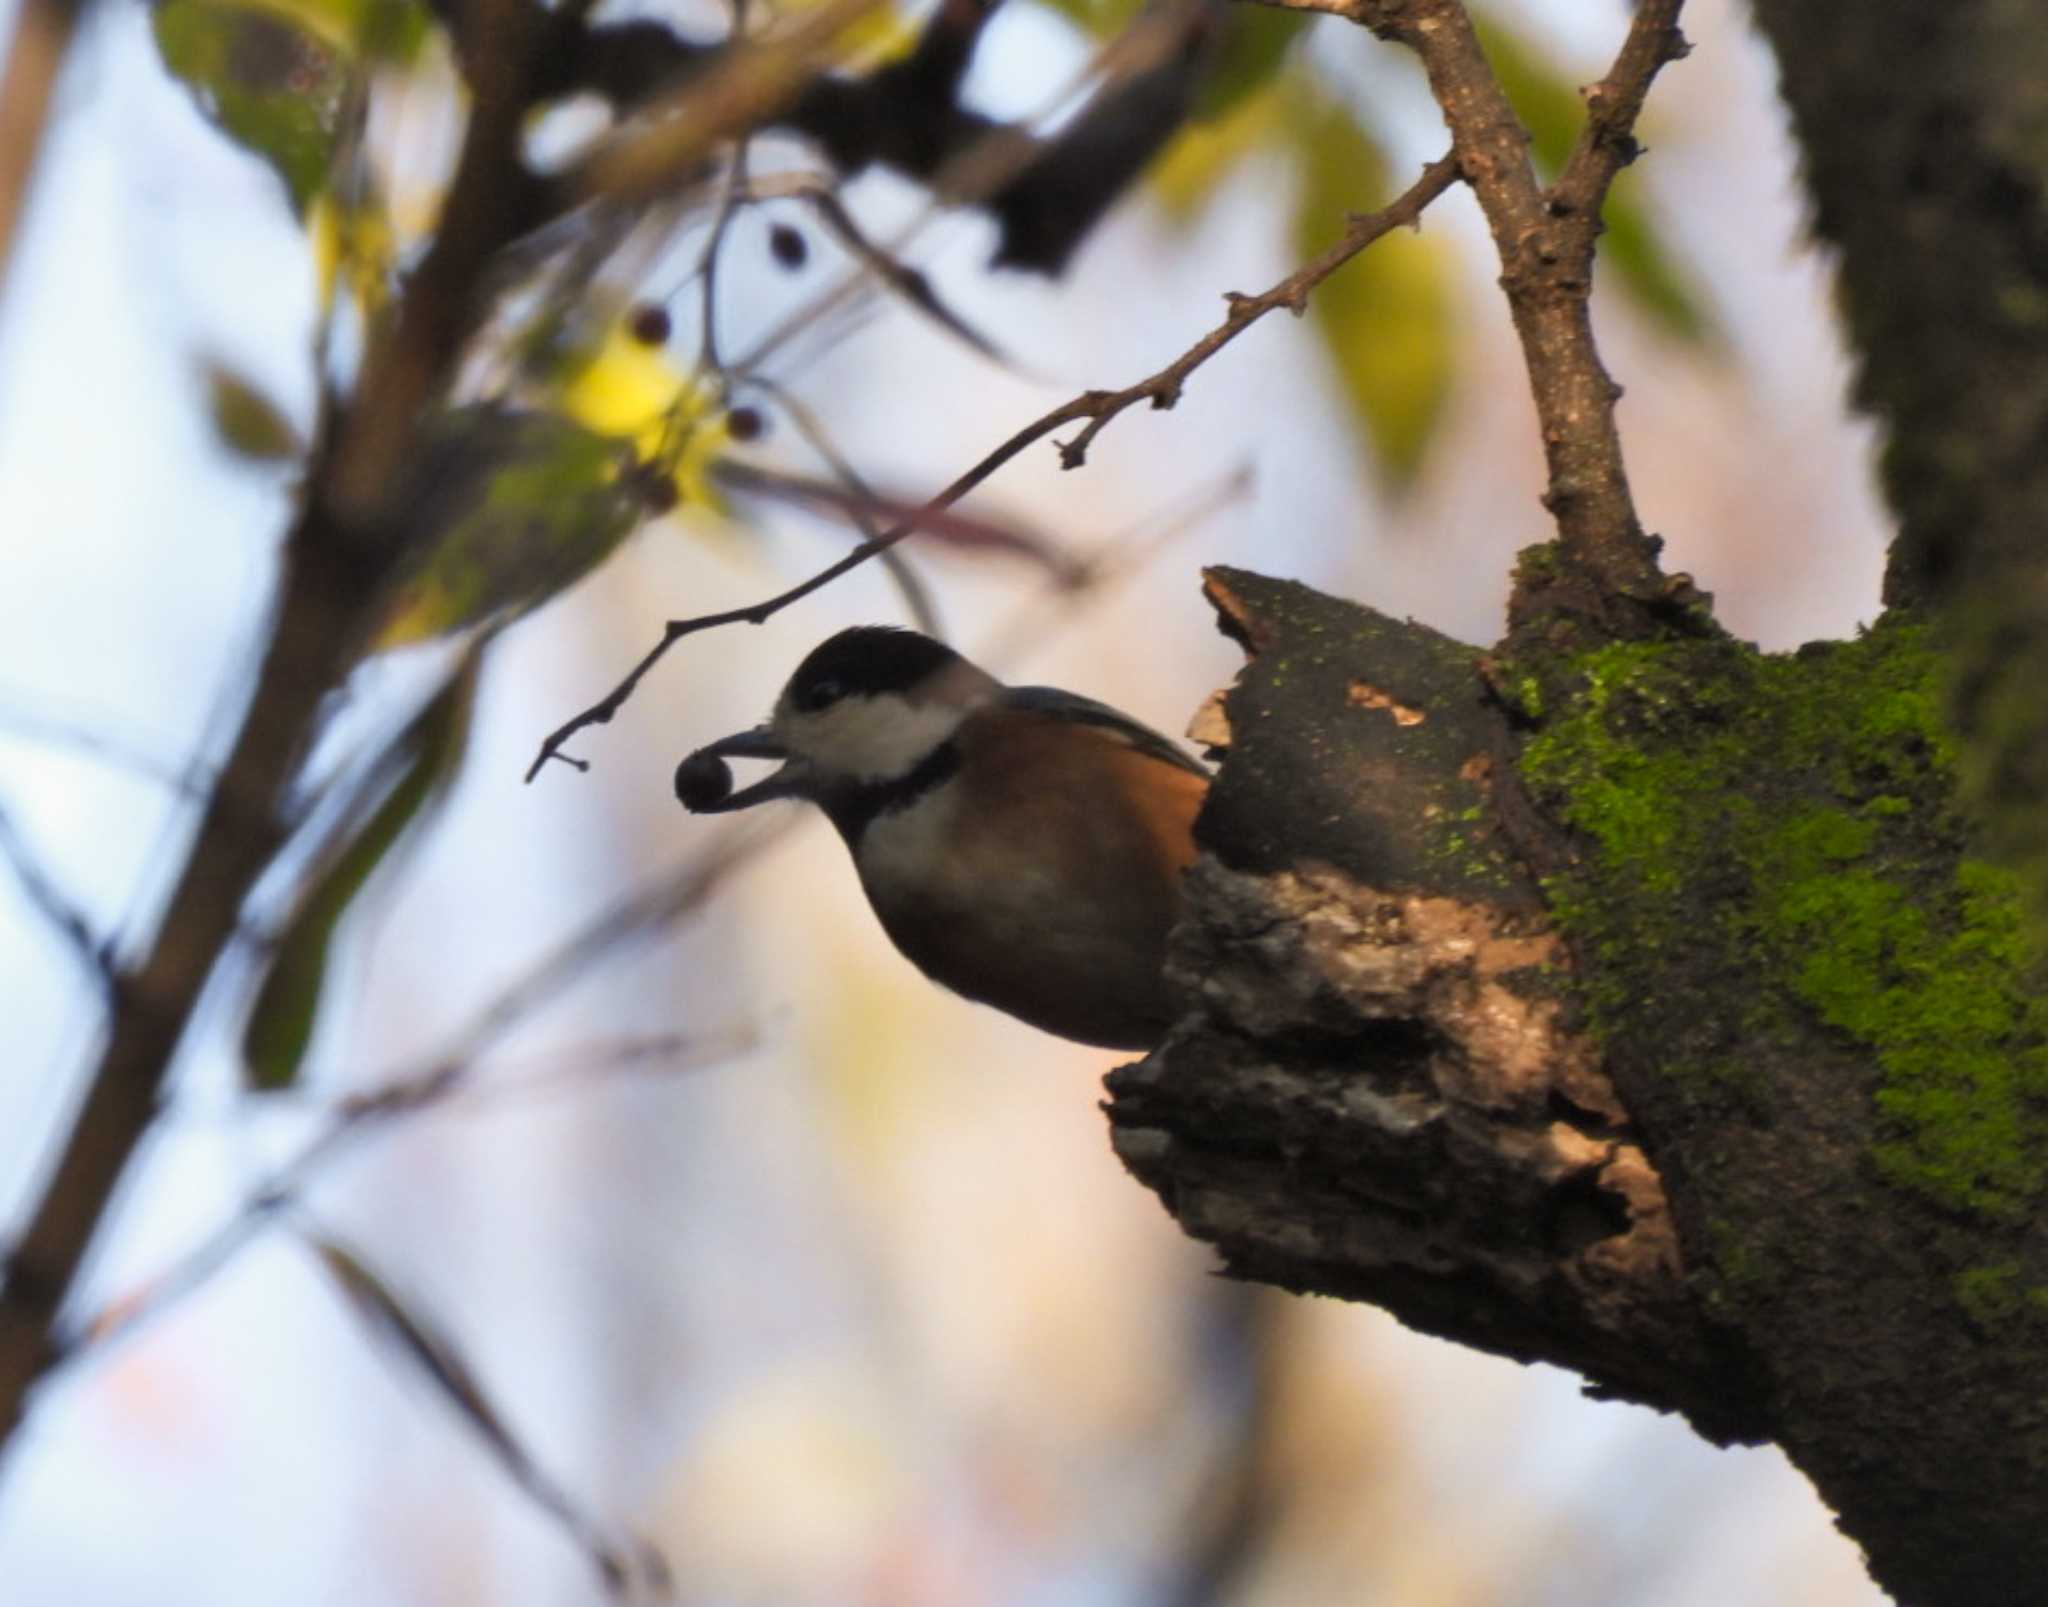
{"x":870,"y":738}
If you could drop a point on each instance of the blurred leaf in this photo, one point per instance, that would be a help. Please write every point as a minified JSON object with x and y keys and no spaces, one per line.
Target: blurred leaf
{"x":1546,"y":101}
{"x":248,"y":423}
{"x":426,"y":757}
{"x":436,"y":1356}
{"x":629,"y":390}
{"x":1099,"y":19}
{"x":353,"y":244}
{"x":266,"y":83}
{"x":1551,"y":109}
{"x":512,"y":507}
{"x":1255,"y":43}
{"x":1655,"y":284}
{"x":384,"y":30}
{"x":1233,"y":112}
{"x":1387,"y":315}
{"x":1202,"y":156}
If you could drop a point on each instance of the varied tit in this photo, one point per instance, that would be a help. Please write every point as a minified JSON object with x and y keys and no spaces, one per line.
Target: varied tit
{"x":1022,"y":846}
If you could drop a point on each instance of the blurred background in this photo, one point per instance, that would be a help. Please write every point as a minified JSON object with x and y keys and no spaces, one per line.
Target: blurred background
{"x":820,"y":1282}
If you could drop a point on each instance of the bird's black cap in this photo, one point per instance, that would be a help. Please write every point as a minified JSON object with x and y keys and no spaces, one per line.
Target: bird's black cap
{"x":864,"y":661}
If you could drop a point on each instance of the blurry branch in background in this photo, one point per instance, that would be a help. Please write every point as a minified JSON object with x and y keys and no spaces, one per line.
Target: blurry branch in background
{"x":191,"y":782}
{"x":43,"y":31}
{"x":63,"y":916}
{"x":1162,"y":390}
{"x":353,"y":531}
{"x":451,"y":1074}
{"x":398,"y":1324}
{"x":1240,"y":1500}
{"x":343,"y":543}
{"x":917,"y":600}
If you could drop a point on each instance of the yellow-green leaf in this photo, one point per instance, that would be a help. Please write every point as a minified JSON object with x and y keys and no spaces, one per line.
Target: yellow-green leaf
{"x":1543,"y":98}
{"x":1387,"y":315}
{"x":424,"y":759}
{"x":1099,"y":19}
{"x":1255,"y":44}
{"x":1192,"y":169}
{"x":248,"y":423}
{"x":1656,"y":285}
{"x":514,"y":507}
{"x":264,"y":81}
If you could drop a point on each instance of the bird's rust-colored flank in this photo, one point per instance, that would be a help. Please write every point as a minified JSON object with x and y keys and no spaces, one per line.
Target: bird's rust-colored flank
{"x":1000,"y":927}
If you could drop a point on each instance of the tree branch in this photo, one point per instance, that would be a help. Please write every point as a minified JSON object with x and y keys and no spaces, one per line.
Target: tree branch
{"x":346,"y":539}
{"x":1545,"y":241}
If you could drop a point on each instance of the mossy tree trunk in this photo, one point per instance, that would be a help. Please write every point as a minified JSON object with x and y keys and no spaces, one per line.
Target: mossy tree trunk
{"x":1646,"y":1004}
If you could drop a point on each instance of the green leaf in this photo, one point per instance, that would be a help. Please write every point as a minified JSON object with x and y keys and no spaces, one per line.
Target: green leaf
{"x":511,"y":507}
{"x":1551,"y":109}
{"x":1543,"y":98}
{"x":1255,"y":44}
{"x":424,"y":760}
{"x":1656,"y":285}
{"x":248,"y":423}
{"x":1192,"y":169}
{"x":1387,"y":315}
{"x":1099,"y":19}
{"x":264,"y":81}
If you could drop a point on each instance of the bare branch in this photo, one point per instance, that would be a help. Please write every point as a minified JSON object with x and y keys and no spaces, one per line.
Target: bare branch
{"x":51,"y":903}
{"x":1545,"y":242}
{"x":1163,"y":389}
{"x":1098,"y":407}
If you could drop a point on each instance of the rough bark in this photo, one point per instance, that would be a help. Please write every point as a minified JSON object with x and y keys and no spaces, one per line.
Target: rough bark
{"x":1640,"y":1009}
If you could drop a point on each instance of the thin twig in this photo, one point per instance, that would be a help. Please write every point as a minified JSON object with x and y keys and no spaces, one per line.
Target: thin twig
{"x":86,"y":946}
{"x":1162,"y":390}
{"x":191,"y":782}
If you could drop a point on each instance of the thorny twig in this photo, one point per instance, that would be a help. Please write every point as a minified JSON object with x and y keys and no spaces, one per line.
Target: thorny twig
{"x":1162,"y":390}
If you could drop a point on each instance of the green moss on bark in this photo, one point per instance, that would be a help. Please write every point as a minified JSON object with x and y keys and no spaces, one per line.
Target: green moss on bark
{"x":1784,"y":821}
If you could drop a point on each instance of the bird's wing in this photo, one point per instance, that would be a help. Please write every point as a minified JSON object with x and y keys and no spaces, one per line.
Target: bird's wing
{"x":1052,"y":702}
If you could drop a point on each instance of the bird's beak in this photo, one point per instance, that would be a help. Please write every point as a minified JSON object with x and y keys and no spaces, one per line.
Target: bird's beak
{"x":759,"y":743}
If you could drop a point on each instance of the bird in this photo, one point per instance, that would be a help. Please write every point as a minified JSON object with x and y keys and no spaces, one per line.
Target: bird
{"x":1022,"y":846}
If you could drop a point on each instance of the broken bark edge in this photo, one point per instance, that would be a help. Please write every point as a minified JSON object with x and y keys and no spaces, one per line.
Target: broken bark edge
{"x":1377,"y":1092}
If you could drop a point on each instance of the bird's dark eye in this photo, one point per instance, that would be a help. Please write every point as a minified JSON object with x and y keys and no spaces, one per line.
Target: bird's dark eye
{"x":820,"y":695}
